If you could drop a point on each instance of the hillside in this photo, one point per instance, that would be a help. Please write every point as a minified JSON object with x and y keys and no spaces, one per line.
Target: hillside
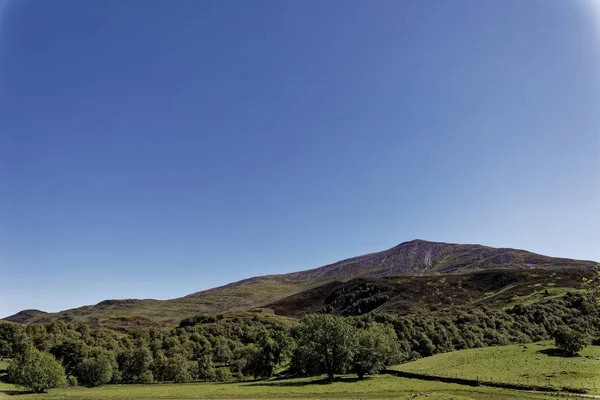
{"x":430,"y":264}
{"x":532,"y":364}
{"x":407,"y":294}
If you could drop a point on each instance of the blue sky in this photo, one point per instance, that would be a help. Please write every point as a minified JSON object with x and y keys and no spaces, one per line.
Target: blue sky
{"x":151,"y":149}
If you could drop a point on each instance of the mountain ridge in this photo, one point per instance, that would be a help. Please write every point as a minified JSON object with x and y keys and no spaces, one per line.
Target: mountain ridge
{"x":410,"y":249}
{"x":418,"y":258}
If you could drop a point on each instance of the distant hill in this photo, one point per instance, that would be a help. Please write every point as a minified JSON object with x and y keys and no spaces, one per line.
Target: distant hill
{"x":25,"y":316}
{"x":430,"y":261}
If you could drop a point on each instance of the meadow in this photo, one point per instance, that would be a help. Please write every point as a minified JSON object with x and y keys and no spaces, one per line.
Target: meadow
{"x":377,"y":387}
{"x":530,"y":364}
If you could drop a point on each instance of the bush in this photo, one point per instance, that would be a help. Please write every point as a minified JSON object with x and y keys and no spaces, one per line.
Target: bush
{"x":223,"y":375}
{"x":37,"y":371}
{"x":239,"y":377}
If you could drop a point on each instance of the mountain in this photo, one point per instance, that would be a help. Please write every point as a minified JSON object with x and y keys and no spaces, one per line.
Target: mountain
{"x":496,"y":288}
{"x":419,"y":259}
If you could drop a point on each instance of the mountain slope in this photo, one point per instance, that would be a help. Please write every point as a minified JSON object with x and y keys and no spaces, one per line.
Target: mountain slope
{"x":496,"y":288}
{"x":415,"y":258}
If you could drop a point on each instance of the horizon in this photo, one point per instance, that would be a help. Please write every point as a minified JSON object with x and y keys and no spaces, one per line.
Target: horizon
{"x":154,"y":150}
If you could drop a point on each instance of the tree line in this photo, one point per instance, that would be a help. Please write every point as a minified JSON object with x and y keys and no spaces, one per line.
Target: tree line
{"x":250,"y":346}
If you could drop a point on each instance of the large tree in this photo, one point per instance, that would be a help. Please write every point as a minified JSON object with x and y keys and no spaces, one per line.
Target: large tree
{"x":326,"y":344}
{"x":13,"y":340}
{"x":37,"y":371}
{"x":377,"y":348}
{"x":569,"y":341}
{"x":267,"y":353}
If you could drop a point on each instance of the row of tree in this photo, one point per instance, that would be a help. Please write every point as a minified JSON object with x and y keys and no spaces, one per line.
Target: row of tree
{"x":242,"y":346}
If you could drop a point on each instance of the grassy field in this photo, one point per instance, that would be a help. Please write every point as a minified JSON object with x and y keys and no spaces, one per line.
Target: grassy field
{"x":532,"y":364}
{"x":378,"y":387}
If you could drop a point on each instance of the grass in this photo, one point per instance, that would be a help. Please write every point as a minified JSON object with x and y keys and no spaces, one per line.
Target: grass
{"x":4,"y":387}
{"x":378,"y":387}
{"x":126,"y":315}
{"x":539,"y":295}
{"x":531,"y":364}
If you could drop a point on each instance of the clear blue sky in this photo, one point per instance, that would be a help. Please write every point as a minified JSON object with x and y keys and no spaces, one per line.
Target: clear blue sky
{"x":151,"y":149}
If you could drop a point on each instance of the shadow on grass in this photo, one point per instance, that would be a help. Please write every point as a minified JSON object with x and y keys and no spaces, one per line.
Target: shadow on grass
{"x":4,"y":379}
{"x":284,"y":383}
{"x":554,"y":352}
{"x":15,"y":392}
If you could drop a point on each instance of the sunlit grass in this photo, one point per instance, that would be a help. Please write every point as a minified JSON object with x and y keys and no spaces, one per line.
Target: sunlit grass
{"x":378,"y":387}
{"x":520,"y":364}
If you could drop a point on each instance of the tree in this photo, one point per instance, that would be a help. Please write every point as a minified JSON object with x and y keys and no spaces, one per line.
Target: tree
{"x":134,"y":364}
{"x":97,"y":369}
{"x":263,"y":358}
{"x":94,"y":371}
{"x":13,"y":340}
{"x":70,"y":353}
{"x":206,"y":368}
{"x":326,"y":344}
{"x":8,"y":332}
{"x":569,"y":341}
{"x":37,"y":371}
{"x":377,"y":347}
{"x":177,"y":369}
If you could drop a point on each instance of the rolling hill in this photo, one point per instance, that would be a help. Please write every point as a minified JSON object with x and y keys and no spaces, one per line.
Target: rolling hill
{"x":396,"y":279}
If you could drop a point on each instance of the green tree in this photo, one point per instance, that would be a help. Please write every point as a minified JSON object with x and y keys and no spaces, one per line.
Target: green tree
{"x":94,"y":371}
{"x":134,"y":364}
{"x":37,"y":371}
{"x":326,"y":344}
{"x":177,"y":369}
{"x":70,"y":353}
{"x":569,"y":341}
{"x":267,"y":353}
{"x":206,"y":368}
{"x":378,"y":347}
{"x":14,"y":341}
{"x":98,"y":368}
{"x":9,"y":331}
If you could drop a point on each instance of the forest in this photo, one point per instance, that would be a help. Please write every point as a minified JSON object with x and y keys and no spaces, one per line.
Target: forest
{"x":247,"y":346}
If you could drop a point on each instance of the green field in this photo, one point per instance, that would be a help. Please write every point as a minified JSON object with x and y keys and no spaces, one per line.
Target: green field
{"x":520,"y":364}
{"x":379,"y":387}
